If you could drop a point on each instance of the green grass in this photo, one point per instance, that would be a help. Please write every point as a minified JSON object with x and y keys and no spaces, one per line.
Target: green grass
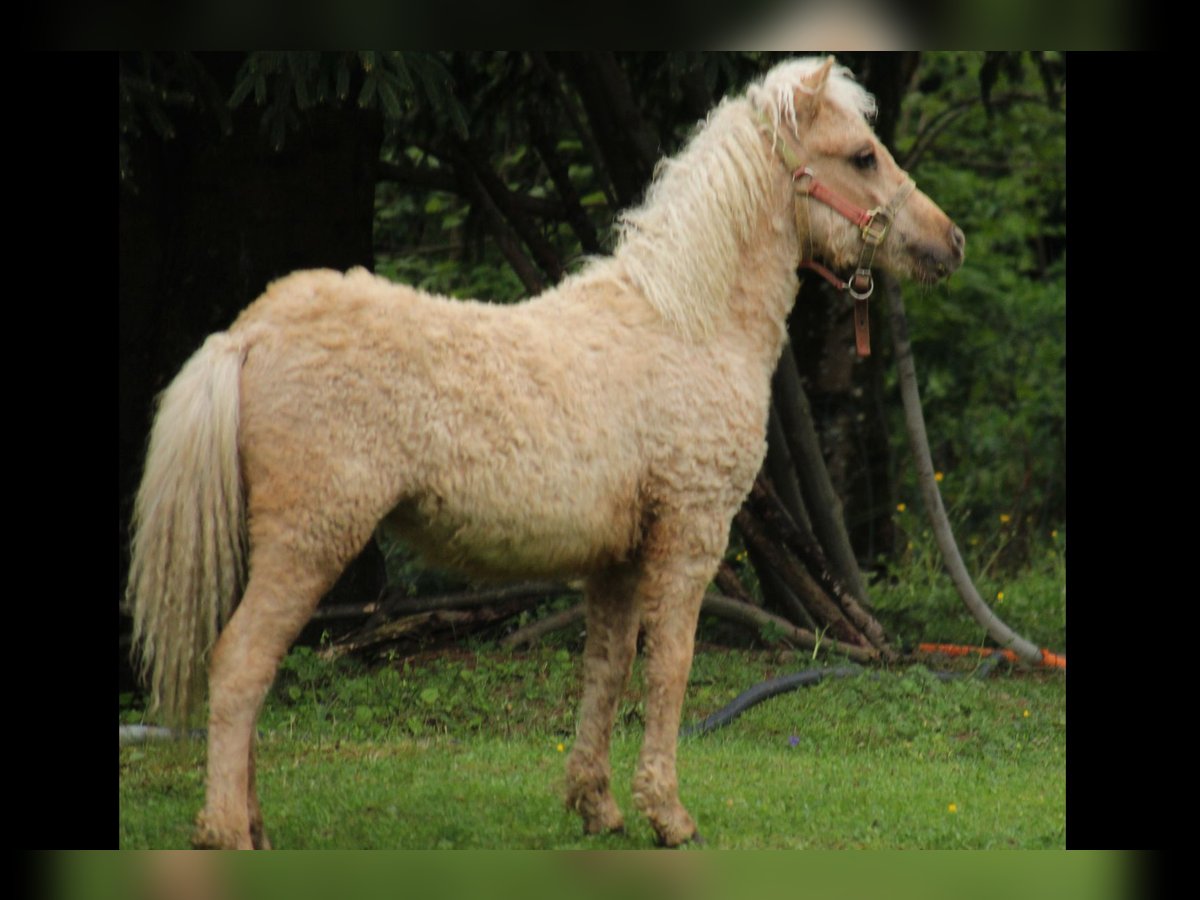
{"x":462,"y":751}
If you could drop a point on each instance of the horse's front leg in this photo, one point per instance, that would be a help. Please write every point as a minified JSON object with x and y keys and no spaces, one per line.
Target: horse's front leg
{"x":612,"y":626}
{"x":671,"y":598}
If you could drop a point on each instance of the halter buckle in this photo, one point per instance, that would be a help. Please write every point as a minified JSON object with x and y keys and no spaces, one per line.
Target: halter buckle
{"x":875,"y":231}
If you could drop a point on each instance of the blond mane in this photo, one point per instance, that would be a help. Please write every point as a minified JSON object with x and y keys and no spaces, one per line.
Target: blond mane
{"x":680,"y":247}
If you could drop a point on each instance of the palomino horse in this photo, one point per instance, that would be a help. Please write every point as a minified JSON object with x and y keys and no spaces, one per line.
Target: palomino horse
{"x":608,"y":429}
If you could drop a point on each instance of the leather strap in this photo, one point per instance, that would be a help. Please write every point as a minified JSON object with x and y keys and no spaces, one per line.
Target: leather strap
{"x":855,"y":213}
{"x":862,"y":328}
{"x":825,"y":273}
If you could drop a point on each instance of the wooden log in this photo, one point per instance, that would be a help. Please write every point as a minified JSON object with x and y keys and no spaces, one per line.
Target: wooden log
{"x":437,"y":620}
{"x":770,"y":510}
{"x":756,"y":618}
{"x":797,"y":579}
{"x":534,"y":631}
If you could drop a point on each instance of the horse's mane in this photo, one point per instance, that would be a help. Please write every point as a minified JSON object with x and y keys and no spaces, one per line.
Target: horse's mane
{"x":681,"y":245}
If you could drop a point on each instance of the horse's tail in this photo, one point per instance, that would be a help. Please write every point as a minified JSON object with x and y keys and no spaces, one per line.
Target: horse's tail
{"x":188,"y":550}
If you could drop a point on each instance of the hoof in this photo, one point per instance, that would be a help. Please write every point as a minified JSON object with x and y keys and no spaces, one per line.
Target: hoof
{"x":695,"y":839}
{"x":605,"y":824}
{"x":619,"y":828}
{"x":206,"y":837}
{"x":599,"y":811}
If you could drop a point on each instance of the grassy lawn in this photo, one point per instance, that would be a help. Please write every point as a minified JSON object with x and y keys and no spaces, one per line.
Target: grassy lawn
{"x":467,"y":751}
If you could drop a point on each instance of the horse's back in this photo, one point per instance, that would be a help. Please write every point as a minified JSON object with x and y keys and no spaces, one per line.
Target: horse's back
{"x":499,"y":438}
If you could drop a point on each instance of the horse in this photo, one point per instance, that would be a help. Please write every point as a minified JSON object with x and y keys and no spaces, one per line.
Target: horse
{"x":606,"y":430}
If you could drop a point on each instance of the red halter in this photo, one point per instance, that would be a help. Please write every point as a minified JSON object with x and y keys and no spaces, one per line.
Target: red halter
{"x":873,"y":223}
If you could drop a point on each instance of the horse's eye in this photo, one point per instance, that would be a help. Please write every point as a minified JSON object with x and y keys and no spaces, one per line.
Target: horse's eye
{"x":864,"y":160}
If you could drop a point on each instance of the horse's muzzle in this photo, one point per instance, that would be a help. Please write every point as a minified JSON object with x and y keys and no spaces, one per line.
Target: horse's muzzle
{"x":936,"y":262}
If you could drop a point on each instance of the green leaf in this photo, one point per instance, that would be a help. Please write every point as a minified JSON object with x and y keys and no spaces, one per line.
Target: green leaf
{"x":391,"y":103}
{"x":367,"y":96}
{"x":241,"y":91}
{"x":301,"y":89}
{"x":401,"y":70}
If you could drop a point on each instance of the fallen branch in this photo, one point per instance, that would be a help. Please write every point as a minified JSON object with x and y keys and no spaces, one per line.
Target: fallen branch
{"x":714,"y":604}
{"x":755,"y":618}
{"x":426,"y":622}
{"x":397,"y":603}
{"x":771,"y":511}
{"x":796,"y":577}
{"x":397,"y":615}
{"x":534,"y":631}
{"x":731,"y":586}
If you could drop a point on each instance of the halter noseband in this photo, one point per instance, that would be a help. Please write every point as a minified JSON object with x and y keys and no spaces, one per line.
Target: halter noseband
{"x":874,"y":225}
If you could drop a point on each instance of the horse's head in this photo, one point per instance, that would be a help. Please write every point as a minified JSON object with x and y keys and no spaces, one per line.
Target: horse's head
{"x":855,"y":207}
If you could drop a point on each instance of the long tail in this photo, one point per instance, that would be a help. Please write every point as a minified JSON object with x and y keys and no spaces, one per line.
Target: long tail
{"x":188,"y":551}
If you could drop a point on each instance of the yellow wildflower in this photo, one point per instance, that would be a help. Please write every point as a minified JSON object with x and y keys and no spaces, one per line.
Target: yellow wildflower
{"x":938,"y":476}
{"x":952,"y":808}
{"x":1025,"y":714}
{"x":1005,"y":518}
{"x":900,"y":507}
{"x":561,"y":748}
{"x":1000,"y":596}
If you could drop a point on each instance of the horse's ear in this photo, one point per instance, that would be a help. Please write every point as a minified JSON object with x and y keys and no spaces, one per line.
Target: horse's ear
{"x":816,"y":81}
{"x":812,"y":88}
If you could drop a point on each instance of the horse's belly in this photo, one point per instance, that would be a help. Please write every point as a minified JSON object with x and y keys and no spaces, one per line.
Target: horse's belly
{"x":519,"y":535}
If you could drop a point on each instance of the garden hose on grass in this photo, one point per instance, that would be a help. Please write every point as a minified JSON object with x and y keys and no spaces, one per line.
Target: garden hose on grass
{"x":781,"y":685}
{"x":1049,"y":660}
{"x":140,"y":734}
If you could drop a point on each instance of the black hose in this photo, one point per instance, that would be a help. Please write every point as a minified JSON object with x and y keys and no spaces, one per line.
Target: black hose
{"x":784,"y":683}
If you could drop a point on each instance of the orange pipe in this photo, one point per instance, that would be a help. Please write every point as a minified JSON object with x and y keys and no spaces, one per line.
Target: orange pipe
{"x":1050,"y":660}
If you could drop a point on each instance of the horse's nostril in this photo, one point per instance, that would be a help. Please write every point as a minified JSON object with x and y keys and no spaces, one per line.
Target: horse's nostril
{"x":957,"y":239}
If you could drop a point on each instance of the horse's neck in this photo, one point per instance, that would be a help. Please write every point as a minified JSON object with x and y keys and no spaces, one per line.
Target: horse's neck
{"x":766,"y":283}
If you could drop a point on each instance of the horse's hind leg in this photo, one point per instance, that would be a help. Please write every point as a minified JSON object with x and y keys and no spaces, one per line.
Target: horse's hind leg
{"x":258,"y":836}
{"x":612,"y":626}
{"x":278,"y":601}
